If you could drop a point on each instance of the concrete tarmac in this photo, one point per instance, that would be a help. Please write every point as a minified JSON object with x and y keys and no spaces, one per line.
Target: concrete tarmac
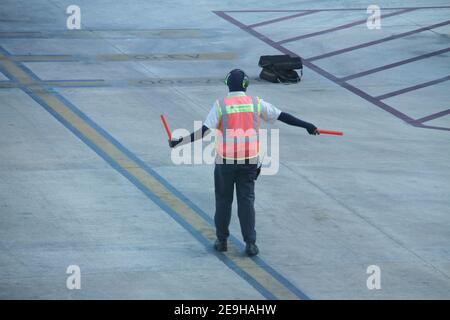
{"x":86,"y":176}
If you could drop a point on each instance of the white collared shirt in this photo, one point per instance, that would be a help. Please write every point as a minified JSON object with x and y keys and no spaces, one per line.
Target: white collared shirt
{"x":269,"y":112}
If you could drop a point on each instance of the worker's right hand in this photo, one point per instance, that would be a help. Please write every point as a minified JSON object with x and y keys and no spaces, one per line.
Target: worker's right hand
{"x":174,"y":142}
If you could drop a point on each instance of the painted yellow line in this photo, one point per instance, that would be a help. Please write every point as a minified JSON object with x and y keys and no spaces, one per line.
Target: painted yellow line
{"x":127,"y":57}
{"x":146,"y":82}
{"x":166,"y":56}
{"x":270,"y":283}
{"x":107,"y":34}
{"x":77,"y":83}
{"x":42,"y":57}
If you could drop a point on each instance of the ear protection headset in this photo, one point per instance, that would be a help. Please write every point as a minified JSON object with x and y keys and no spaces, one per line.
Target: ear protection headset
{"x":245,"y":80}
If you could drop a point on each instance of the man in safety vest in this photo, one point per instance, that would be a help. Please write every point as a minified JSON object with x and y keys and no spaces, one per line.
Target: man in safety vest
{"x":237,"y":118}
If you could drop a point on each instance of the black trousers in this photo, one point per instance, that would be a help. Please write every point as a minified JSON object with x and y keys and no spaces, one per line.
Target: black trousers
{"x":225,"y":177}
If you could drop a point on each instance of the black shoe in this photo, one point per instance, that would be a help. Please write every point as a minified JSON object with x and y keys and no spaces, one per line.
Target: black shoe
{"x":251,"y":249}
{"x":220,"y":245}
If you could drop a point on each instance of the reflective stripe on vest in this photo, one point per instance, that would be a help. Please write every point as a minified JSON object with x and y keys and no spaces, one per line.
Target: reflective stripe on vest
{"x":238,"y":136}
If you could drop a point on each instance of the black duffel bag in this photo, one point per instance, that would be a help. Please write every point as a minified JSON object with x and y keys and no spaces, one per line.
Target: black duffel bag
{"x":280,"y":76}
{"x":282,"y":62}
{"x":281,"y":68}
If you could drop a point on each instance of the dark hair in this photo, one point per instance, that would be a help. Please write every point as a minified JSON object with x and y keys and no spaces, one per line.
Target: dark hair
{"x":237,"y":80}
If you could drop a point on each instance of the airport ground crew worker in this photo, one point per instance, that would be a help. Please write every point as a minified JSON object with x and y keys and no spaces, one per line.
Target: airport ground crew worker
{"x":237,"y":118}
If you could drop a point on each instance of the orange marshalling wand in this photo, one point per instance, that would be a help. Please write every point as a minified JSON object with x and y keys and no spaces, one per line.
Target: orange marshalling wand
{"x":166,"y":126}
{"x":336,"y":133}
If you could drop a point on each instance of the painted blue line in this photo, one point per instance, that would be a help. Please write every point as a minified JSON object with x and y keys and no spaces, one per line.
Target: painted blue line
{"x":8,"y":75}
{"x":299,"y":293}
{"x":197,"y":235}
{"x":229,"y":263}
{"x":181,"y":196}
{"x":4,"y":51}
{"x":27,"y":71}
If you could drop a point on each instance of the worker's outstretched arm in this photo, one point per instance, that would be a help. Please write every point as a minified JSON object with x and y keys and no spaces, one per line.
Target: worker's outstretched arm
{"x":293,"y":121}
{"x":200,"y":133}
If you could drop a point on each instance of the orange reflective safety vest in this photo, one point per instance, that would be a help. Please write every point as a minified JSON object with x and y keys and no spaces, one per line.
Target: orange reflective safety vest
{"x":238,"y":134}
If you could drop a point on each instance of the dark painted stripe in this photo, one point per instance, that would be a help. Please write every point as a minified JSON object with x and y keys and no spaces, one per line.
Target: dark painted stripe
{"x":204,"y":56}
{"x":434,"y":116}
{"x":74,"y":80}
{"x":44,"y":58}
{"x":341,"y":27}
{"x":433,"y":127}
{"x":319,"y":70}
{"x":395,"y":64}
{"x":371,"y":43}
{"x":253,"y":32}
{"x":263,"y":23}
{"x":334,"y":9}
{"x":139,"y":83}
{"x":412,"y":88}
